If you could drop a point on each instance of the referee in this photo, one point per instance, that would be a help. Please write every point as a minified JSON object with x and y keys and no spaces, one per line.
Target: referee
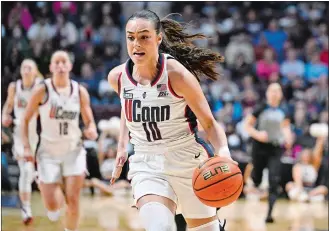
{"x":270,"y":135}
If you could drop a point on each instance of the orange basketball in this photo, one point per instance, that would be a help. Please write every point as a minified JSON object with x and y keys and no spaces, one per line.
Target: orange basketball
{"x":217,"y":182}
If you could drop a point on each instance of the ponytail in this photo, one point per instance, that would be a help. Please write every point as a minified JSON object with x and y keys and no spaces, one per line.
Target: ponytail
{"x":199,"y":61}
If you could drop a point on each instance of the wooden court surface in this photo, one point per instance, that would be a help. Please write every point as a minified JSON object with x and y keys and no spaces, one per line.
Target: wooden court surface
{"x":100,"y":213}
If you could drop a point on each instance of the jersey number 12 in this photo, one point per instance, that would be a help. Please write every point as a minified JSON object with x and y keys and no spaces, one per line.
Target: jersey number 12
{"x":152,"y":131}
{"x":63,"y":128}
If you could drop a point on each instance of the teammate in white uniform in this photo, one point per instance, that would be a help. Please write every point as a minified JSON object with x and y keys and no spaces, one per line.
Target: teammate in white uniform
{"x":161,"y":101}
{"x":19,"y":93}
{"x":60,"y":154}
{"x":305,"y":175}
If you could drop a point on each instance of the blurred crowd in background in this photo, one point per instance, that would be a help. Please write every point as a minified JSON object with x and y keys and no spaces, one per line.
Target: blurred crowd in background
{"x":263,"y":42}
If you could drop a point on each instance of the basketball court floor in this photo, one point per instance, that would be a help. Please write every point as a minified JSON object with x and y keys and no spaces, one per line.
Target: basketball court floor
{"x":101,"y":213}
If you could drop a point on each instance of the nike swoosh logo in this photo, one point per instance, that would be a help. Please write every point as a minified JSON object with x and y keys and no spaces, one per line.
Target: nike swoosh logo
{"x":126,"y":91}
{"x":197,"y":155}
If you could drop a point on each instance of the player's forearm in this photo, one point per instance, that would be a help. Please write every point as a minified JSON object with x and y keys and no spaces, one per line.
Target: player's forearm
{"x":25,"y":133}
{"x":124,"y":134}
{"x":217,"y":137}
{"x":7,"y":109}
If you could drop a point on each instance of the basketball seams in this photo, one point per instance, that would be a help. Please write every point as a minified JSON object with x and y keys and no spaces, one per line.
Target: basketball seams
{"x":241,"y":185}
{"x":216,"y":181}
{"x":207,"y":166}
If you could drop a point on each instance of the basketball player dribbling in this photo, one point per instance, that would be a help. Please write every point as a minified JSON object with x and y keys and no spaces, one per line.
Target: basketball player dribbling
{"x":60,"y":155}
{"x":19,"y":93}
{"x":161,"y":102}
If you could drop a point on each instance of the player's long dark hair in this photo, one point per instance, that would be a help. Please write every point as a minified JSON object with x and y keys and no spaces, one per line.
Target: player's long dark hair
{"x":176,"y":42}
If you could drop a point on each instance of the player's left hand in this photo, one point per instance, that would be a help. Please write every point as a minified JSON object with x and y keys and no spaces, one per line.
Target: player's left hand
{"x":90,"y":133}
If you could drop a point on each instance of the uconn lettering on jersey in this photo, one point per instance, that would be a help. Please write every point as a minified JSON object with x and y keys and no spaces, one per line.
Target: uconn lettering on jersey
{"x":21,"y":103}
{"x":57,"y":112}
{"x":136,"y":112}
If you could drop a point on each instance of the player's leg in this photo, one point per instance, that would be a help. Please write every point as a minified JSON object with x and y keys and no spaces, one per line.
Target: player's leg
{"x":53,"y":199}
{"x":49,"y":175}
{"x":74,"y":169}
{"x":26,"y":178}
{"x":198,"y":216}
{"x":274,"y":175}
{"x":157,"y":213}
{"x":73,"y":186}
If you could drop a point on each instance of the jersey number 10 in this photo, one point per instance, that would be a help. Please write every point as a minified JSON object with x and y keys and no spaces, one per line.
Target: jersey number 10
{"x":63,"y":128}
{"x":151,"y":129}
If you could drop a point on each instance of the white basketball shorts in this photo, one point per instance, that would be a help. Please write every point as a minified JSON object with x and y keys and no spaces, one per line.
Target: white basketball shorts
{"x":51,"y":169}
{"x":168,"y":173}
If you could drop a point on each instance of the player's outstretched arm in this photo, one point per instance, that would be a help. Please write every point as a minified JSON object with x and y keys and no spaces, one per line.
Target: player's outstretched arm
{"x":8,"y":106}
{"x":32,"y":107}
{"x":90,"y":130}
{"x":186,"y":85}
{"x":122,"y":155}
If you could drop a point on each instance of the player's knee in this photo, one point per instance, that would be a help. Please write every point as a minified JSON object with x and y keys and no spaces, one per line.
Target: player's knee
{"x":72,"y":200}
{"x":51,"y":204}
{"x":156,"y":216}
{"x":26,"y":177}
{"x":210,"y":226}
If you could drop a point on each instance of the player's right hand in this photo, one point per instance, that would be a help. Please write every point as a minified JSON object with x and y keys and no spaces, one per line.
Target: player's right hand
{"x":262,"y":136}
{"x":28,"y":155}
{"x":119,"y":162}
{"x":7,"y":120}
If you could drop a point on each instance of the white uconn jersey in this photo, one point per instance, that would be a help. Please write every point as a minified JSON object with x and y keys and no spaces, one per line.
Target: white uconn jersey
{"x":22,"y":97}
{"x":59,"y":115}
{"x":155,"y":115}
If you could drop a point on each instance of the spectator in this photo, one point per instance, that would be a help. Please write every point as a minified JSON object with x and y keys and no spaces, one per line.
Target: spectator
{"x":40,"y":31}
{"x":108,"y":31}
{"x":19,"y":42}
{"x":320,"y":89}
{"x":249,"y":98}
{"x":20,"y":15}
{"x":276,"y":38}
{"x":311,"y":47}
{"x":88,"y":13}
{"x":266,"y":66}
{"x":324,"y":53}
{"x":64,"y":7}
{"x":162,"y":9}
{"x":87,"y":34}
{"x":239,"y":45}
{"x":315,"y":69}
{"x":261,"y":47}
{"x":253,"y":25}
{"x":224,"y":85}
{"x":88,"y":80}
{"x":292,"y":68}
{"x":66,"y":33}
{"x":240,"y":67}
{"x":305,"y":174}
